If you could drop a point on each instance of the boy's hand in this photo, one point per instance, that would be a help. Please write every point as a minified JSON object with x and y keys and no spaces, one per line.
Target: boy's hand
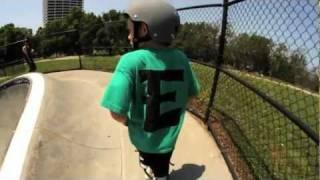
{"x":120,"y":118}
{"x":191,"y":99}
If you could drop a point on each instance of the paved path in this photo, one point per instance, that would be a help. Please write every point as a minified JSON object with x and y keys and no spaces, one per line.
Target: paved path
{"x":76,"y":139}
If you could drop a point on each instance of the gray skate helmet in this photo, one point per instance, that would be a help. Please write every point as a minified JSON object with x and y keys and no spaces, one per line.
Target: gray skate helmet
{"x":161,"y":18}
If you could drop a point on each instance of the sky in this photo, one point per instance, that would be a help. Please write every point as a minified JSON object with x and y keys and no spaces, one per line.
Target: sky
{"x":281,"y":21}
{"x":292,"y":22}
{"x":295,"y":24}
{"x":28,"y":13}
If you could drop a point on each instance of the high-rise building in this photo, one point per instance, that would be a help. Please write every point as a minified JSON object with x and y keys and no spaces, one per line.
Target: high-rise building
{"x":55,"y":9}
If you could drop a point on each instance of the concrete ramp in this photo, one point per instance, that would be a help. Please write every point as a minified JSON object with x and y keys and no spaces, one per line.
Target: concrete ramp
{"x":74,"y":138}
{"x":12,"y":102}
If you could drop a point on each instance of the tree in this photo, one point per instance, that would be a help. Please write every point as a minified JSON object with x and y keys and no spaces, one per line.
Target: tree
{"x":279,"y":58}
{"x":9,"y":35}
{"x":90,"y":25}
{"x":50,"y":38}
{"x":115,"y":32}
{"x":251,"y":52}
{"x":83,"y":31}
{"x":198,"y":40}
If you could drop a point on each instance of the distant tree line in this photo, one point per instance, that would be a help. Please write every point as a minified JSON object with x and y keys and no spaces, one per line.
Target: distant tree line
{"x":8,"y":34}
{"x":247,"y":52}
{"x":78,"y":32}
{"x":81,"y":32}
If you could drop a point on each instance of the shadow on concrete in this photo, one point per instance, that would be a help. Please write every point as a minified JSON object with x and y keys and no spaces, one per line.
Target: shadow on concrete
{"x":188,"y":172}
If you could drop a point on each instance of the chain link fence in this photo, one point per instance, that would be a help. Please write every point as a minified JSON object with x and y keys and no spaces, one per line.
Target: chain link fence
{"x":198,"y":37}
{"x":265,"y":104}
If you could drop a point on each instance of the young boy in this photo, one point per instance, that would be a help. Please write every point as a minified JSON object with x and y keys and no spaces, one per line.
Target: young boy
{"x":151,"y":86}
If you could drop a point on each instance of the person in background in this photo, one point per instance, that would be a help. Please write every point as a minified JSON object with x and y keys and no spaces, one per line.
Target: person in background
{"x":27,"y":55}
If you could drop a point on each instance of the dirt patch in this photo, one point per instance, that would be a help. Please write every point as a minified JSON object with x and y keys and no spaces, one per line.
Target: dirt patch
{"x":231,"y":153}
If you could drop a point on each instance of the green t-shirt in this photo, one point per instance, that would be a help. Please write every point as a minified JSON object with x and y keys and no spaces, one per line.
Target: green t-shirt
{"x":152,"y":87}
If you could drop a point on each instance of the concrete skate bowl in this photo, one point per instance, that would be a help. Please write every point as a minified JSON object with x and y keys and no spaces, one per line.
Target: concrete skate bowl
{"x":63,"y":133}
{"x":13,"y":96}
{"x":56,"y":129}
{"x":18,"y":114}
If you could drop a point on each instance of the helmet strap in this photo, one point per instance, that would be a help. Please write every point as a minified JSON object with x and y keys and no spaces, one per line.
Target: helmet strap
{"x":136,"y":27}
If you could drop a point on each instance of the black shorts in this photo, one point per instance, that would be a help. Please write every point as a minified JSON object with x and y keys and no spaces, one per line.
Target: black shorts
{"x":159,"y":163}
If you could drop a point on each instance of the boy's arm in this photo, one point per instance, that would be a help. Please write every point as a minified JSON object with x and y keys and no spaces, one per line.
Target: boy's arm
{"x":118,"y":94}
{"x":118,"y":117}
{"x":24,"y":51}
{"x":194,"y":87}
{"x":191,"y":99}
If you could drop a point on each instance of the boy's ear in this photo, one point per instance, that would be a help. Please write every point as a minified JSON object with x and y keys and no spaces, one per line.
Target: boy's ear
{"x":144,"y":29}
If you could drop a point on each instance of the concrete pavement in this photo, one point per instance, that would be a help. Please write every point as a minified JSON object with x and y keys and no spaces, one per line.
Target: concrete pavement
{"x":76,"y":139}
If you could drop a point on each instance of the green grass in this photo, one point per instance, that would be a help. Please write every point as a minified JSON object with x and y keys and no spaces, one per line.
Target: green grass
{"x":263,"y":132}
{"x":4,"y":79}
{"x":304,"y":105}
{"x":60,"y":65}
{"x":102,"y":63}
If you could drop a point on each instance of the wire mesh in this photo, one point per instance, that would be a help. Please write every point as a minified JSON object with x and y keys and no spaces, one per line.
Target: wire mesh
{"x":198,"y":37}
{"x":280,"y":45}
{"x":205,"y":77}
{"x":273,"y":46}
{"x":11,"y":58}
{"x":273,"y":146}
{"x":199,"y":33}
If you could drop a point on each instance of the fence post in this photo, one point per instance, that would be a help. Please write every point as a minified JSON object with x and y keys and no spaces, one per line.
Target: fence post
{"x":79,"y":49}
{"x":79,"y":45}
{"x":222,"y":41}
